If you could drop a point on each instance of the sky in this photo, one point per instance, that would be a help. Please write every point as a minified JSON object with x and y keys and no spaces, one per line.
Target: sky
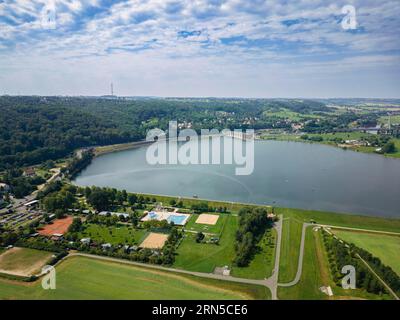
{"x":201,"y":48}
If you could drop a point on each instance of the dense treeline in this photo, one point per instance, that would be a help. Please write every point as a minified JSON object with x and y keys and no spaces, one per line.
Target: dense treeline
{"x":36,"y":129}
{"x":253,"y":222}
{"x":33,"y":130}
{"x":21,"y":185}
{"x":341,"y":254}
{"x":79,"y":163}
{"x":385,"y":272}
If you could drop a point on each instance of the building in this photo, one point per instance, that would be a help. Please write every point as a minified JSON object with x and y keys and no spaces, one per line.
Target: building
{"x":29,"y":172}
{"x":85,"y":241}
{"x":118,"y":214}
{"x":4,"y":188}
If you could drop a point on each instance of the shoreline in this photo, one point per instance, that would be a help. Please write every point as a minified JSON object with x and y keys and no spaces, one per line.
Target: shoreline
{"x":296,"y":138}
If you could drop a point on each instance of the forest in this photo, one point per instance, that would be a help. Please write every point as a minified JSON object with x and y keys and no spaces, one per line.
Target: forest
{"x":34,"y":129}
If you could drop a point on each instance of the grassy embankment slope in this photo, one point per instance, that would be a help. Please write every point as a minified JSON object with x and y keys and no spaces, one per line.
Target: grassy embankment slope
{"x":85,"y":278}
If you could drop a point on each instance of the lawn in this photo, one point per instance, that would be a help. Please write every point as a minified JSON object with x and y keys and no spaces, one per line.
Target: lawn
{"x":215,"y":229}
{"x":264,"y":260}
{"x":385,"y":247}
{"x":290,"y":248}
{"x":85,"y":278}
{"x":311,"y":279}
{"x":23,"y":261}
{"x":119,"y":234}
{"x":204,"y":257}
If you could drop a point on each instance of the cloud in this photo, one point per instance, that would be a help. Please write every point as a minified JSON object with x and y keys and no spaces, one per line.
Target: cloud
{"x":227,"y":38}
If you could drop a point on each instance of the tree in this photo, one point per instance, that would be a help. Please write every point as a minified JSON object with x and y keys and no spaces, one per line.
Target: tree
{"x":99,"y":199}
{"x":132,"y":199}
{"x":76,"y":225}
{"x":389,"y":147}
{"x":172,"y":202}
{"x":199,"y":237}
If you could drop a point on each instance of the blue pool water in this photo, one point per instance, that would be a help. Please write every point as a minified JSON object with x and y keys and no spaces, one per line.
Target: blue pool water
{"x":176,"y":219}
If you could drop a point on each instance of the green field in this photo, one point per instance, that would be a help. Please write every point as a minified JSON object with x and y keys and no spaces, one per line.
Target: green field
{"x":204,"y":257}
{"x":215,"y":229}
{"x":23,"y":261}
{"x":264,"y":260}
{"x":85,"y":278}
{"x":311,"y":278}
{"x":316,"y":273}
{"x":342,"y":220}
{"x":290,"y":246}
{"x":385,"y":247}
{"x":120,"y":234}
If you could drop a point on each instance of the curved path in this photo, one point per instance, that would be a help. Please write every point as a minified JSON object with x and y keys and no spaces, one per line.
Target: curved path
{"x":301,"y":257}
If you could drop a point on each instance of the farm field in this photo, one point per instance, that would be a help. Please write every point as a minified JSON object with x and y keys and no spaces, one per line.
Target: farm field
{"x":206,"y":228}
{"x":204,"y":257}
{"x":85,"y":278}
{"x":385,"y":247}
{"x":290,"y":246}
{"x":23,"y":262}
{"x":263,"y":263}
{"x":120,"y":234}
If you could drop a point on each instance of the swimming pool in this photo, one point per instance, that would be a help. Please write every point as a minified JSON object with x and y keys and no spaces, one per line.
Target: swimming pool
{"x":179,"y":220}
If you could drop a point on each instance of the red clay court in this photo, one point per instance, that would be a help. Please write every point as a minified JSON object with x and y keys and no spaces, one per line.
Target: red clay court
{"x":59,"y":226}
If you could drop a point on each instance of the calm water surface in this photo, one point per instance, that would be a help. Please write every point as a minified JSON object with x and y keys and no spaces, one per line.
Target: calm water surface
{"x":286,"y":174}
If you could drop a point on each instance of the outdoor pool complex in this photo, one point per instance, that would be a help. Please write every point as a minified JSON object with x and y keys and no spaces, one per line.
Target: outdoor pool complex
{"x":175,"y":217}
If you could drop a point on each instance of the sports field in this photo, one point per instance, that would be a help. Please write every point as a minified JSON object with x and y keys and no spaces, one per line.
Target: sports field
{"x":154,"y":241}
{"x":194,"y":224}
{"x":59,"y":226}
{"x":385,"y":247}
{"x":23,"y":262}
{"x":86,"y":278}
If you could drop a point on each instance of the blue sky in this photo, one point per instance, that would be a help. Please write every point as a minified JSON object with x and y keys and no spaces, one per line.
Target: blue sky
{"x":222,"y":48}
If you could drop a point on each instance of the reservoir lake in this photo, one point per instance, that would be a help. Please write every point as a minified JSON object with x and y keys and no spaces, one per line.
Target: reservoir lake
{"x":286,"y":174}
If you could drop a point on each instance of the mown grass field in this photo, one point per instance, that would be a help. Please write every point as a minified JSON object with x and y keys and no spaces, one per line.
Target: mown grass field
{"x":385,"y":247}
{"x":290,"y":248}
{"x":311,"y":279}
{"x":206,"y":228}
{"x":120,"y":234}
{"x":23,"y":261}
{"x":204,"y":257}
{"x":264,"y":260}
{"x":85,"y":278}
